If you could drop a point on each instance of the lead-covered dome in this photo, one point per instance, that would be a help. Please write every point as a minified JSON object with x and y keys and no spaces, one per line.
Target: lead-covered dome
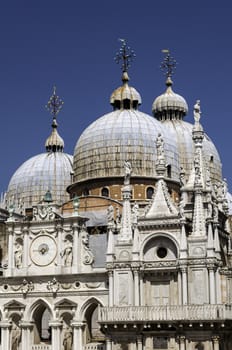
{"x":50,"y":171}
{"x":124,"y":134}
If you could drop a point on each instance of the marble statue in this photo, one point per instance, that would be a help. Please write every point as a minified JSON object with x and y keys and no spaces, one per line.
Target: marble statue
{"x":18,"y":256}
{"x":68,"y":339}
{"x":128,"y":170}
{"x":15,"y":337}
{"x":67,"y":254}
{"x":197,"y":111}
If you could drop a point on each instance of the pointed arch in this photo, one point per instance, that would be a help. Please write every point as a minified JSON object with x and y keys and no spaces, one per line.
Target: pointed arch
{"x":38,"y":303}
{"x":87,"y":304}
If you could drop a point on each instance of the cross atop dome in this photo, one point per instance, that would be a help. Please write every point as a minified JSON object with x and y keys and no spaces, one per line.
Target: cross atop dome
{"x":126,"y":55}
{"x":54,"y":104}
{"x":168,"y":65}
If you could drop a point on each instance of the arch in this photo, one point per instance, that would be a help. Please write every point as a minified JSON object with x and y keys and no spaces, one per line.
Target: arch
{"x":149,"y":192}
{"x":87,"y":304}
{"x":105,"y":192}
{"x":34,"y":307}
{"x":162,"y":236}
{"x":92,"y":331}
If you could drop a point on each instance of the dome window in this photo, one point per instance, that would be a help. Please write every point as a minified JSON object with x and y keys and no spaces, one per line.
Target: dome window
{"x":86,"y":192}
{"x":211,"y":159}
{"x":105,"y":192}
{"x":162,"y":252}
{"x":150,"y":192}
{"x":169,"y":171}
{"x":126,"y":104}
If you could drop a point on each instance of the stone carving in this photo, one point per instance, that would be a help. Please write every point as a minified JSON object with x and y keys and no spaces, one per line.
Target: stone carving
{"x":88,"y":257}
{"x":43,"y":212}
{"x":18,"y":255}
{"x":215,"y":213}
{"x":26,"y":286}
{"x":118,"y":216}
{"x":160,"y":147}
{"x":135,"y":212}
{"x":208,"y":184}
{"x":210,"y":205}
{"x":68,"y":339}
{"x":182,"y":177}
{"x":15,"y":337}
{"x":110,"y":214}
{"x":181,"y":207}
{"x":53,"y":286}
{"x":197,"y":111}
{"x":128,"y":170}
{"x":67,"y":253}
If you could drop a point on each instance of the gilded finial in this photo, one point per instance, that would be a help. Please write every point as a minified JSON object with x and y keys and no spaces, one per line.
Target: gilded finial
{"x":168,"y":65}
{"x":126,"y":55}
{"x":54,"y":104}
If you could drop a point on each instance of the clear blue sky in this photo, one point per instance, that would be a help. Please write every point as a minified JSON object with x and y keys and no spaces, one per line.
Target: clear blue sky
{"x":72,"y":44}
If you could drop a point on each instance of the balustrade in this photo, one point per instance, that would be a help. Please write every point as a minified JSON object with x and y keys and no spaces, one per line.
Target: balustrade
{"x":41,"y":347}
{"x":165,"y":313}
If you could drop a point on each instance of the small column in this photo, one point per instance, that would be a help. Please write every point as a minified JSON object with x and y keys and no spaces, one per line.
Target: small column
{"x":59,"y":257}
{"x":179,"y":288}
{"x":141,"y":285}
{"x":56,"y":334}
{"x":25,"y":247}
{"x":184,"y":286}
{"x":111,"y":288}
{"x":26,"y":332}
{"x":108,"y":343}
{"x":5,"y":334}
{"x":211,"y":285}
{"x":139,"y":342}
{"x":218,"y":287}
{"x":215,"y":340}
{"x":77,"y":335}
{"x":136,"y":288}
{"x":10,"y":248}
{"x":75,"y":247}
{"x":182,"y":342}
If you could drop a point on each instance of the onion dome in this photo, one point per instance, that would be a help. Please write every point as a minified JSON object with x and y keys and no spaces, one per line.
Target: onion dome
{"x":169,"y":105}
{"x":125,"y":96}
{"x":124,"y":134}
{"x":170,"y":109}
{"x":50,"y":171}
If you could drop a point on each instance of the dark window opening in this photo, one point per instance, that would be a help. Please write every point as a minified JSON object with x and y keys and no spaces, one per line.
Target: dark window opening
{"x":150,"y":192}
{"x":105,"y":192}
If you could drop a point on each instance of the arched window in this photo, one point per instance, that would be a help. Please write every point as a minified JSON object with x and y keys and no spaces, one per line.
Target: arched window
{"x":86,"y":192}
{"x":105,"y":192}
{"x":150,"y":192}
{"x":169,"y":170}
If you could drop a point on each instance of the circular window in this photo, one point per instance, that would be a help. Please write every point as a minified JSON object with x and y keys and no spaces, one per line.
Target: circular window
{"x":162,"y":252}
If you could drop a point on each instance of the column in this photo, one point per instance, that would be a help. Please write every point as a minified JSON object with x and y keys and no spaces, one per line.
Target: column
{"x":56,"y":334}
{"x":179,"y":288}
{"x":25,"y":247}
{"x":139,"y":342}
{"x":215,"y":340}
{"x":108,"y":343}
{"x":10,"y":248}
{"x":182,"y":342}
{"x":77,"y":335}
{"x":59,"y":257}
{"x":141,"y":285}
{"x":136,"y":288}
{"x":218,"y":287}
{"x":5,"y":334}
{"x":111,"y":288}
{"x":26,"y":334}
{"x":184,"y":286}
{"x":211,"y":285}
{"x":75,"y":247}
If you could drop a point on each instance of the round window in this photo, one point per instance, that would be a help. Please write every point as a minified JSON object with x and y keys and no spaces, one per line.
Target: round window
{"x":162,"y":252}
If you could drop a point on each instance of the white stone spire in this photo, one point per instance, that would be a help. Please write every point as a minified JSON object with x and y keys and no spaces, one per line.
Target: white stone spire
{"x":199,"y":227}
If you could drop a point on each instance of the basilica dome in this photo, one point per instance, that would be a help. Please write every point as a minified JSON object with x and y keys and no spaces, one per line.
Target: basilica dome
{"x":124,"y":134}
{"x":170,"y":109}
{"x":49,"y":171}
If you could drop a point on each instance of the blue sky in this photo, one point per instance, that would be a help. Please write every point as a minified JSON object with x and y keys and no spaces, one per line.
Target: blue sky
{"x":72,"y":44}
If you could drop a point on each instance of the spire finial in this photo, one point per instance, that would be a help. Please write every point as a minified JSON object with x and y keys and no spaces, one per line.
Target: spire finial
{"x":54,"y":104}
{"x":126,"y":54}
{"x":168,"y":65}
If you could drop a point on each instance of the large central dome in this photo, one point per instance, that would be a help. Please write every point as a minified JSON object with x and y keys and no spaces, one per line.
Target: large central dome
{"x":124,"y":134}
{"x":118,"y":136}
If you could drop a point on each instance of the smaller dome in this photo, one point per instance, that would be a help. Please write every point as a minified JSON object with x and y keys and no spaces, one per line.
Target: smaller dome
{"x":54,"y":142}
{"x":125,"y":97}
{"x":169,"y":105}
